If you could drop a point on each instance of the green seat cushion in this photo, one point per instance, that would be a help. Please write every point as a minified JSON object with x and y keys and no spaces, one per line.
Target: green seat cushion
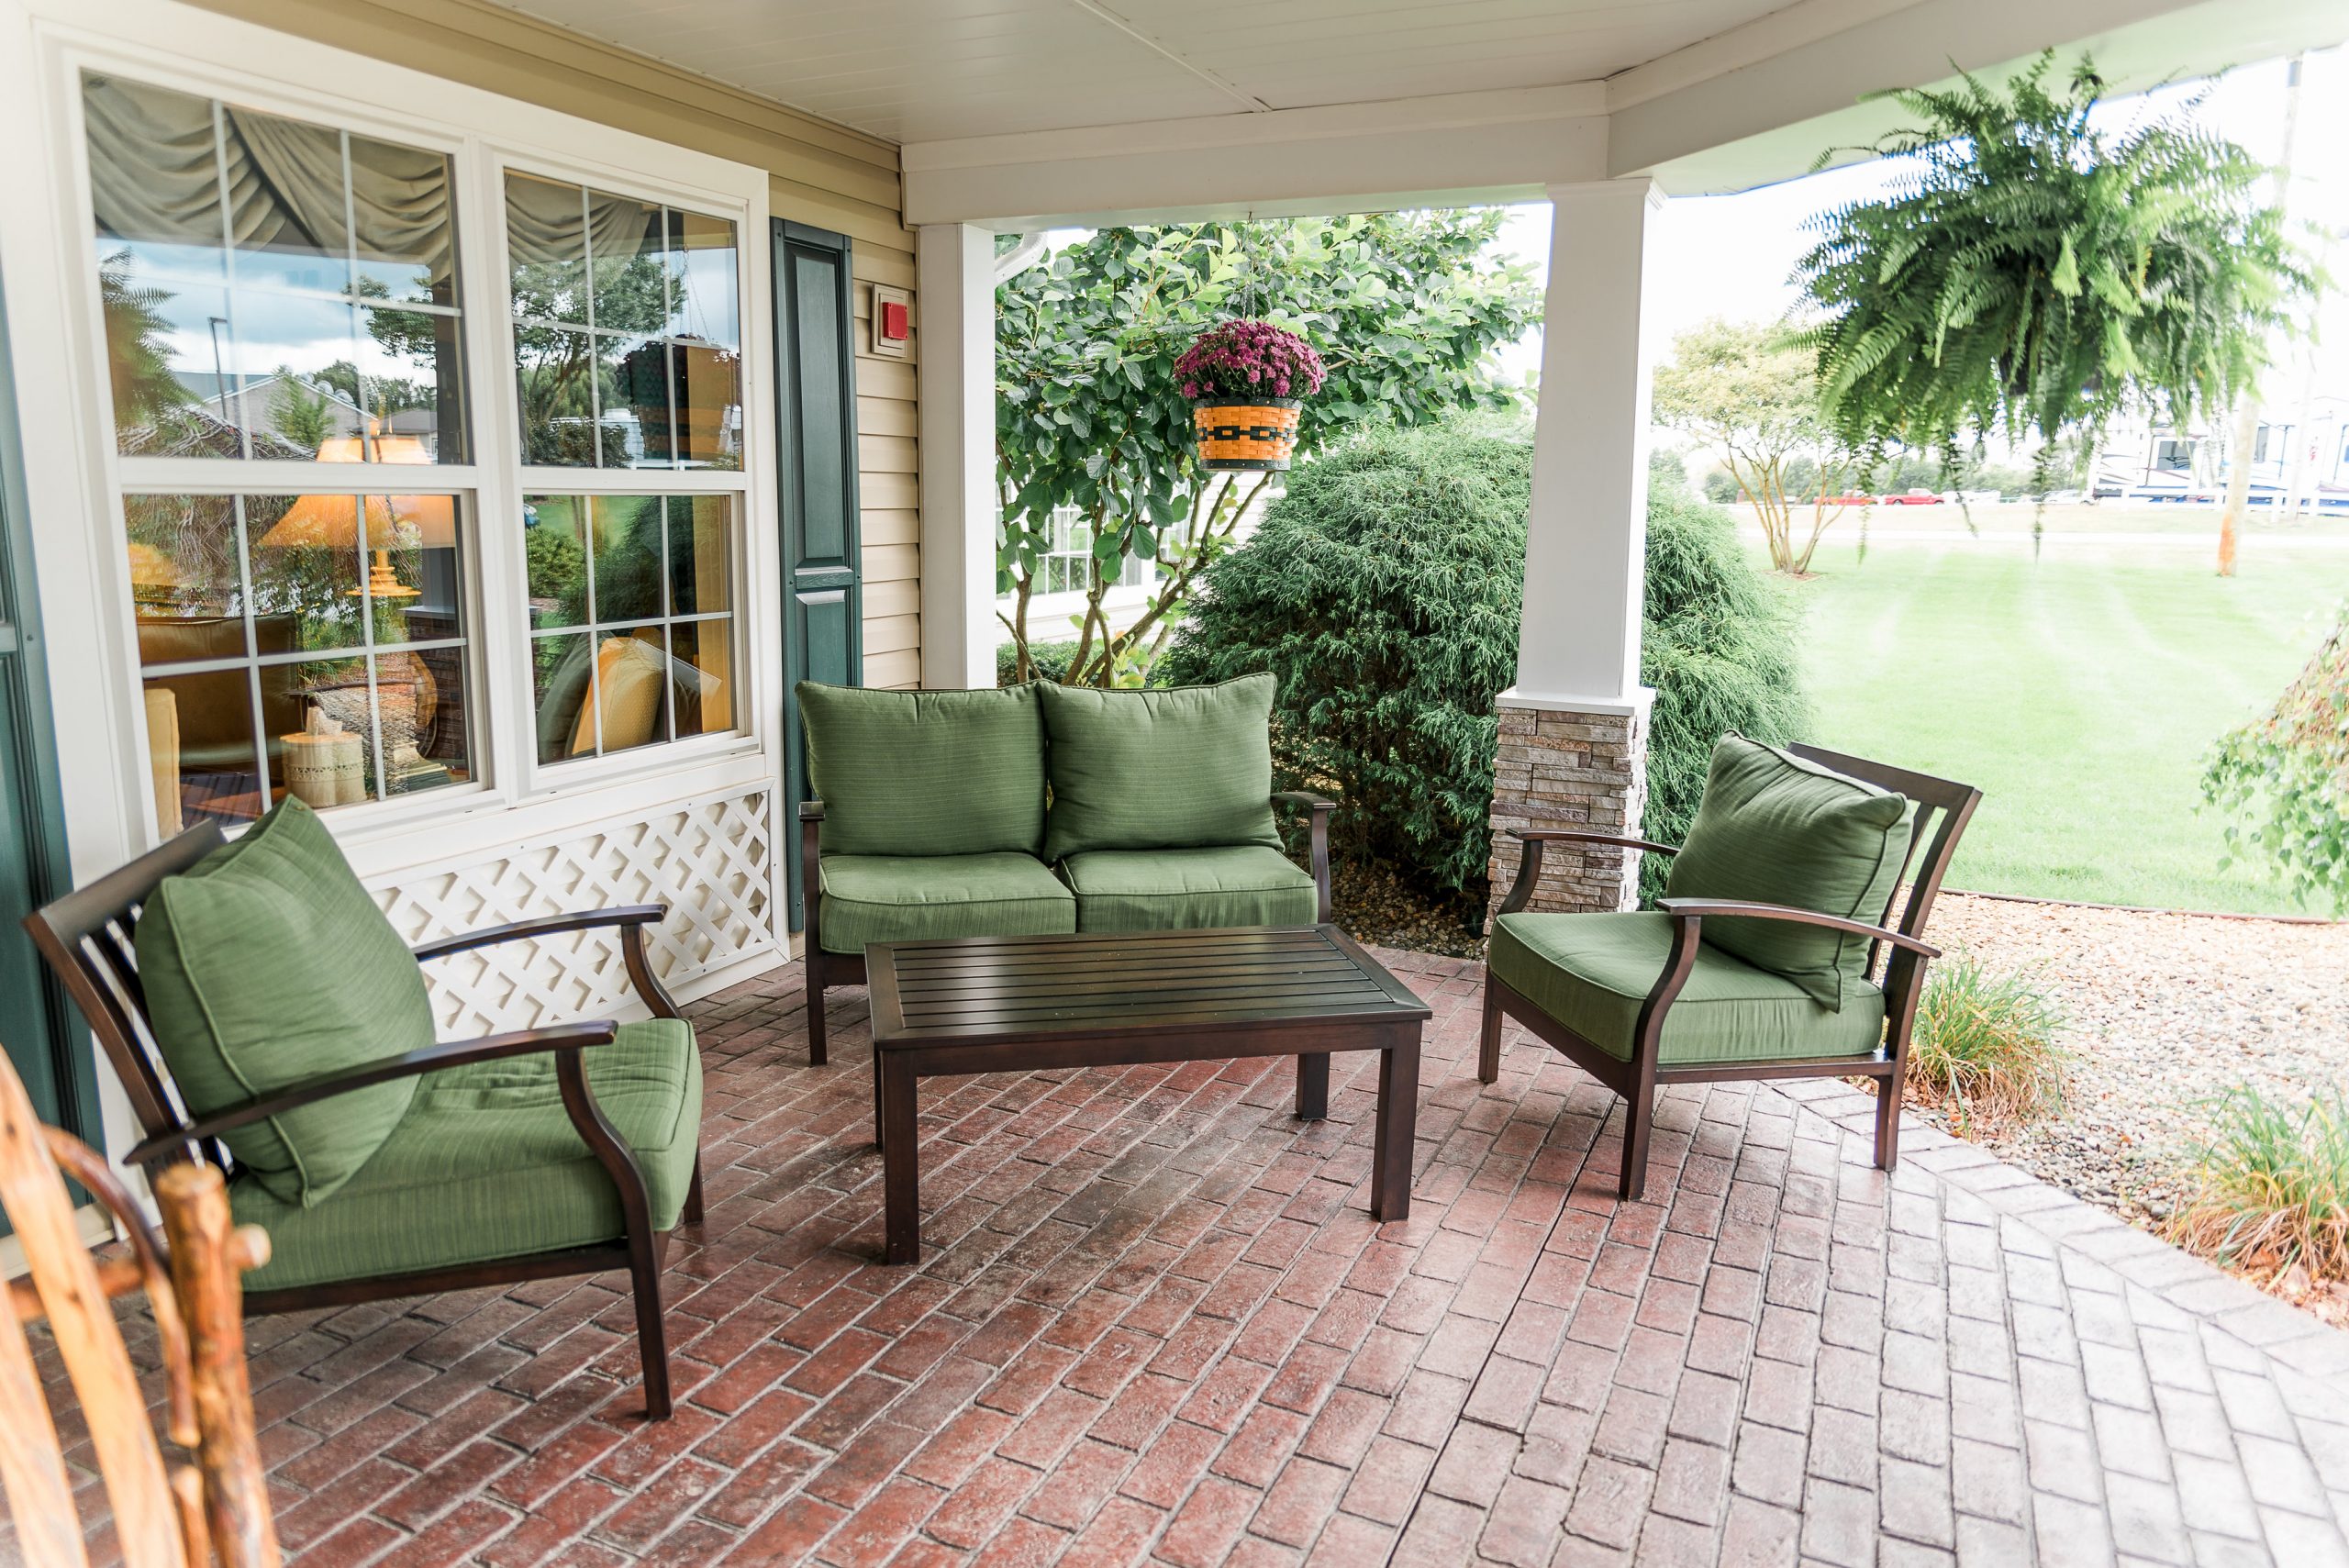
{"x":926,"y":772}
{"x":1188,"y":890}
{"x":265,"y":963}
{"x":486,"y":1165}
{"x":1591,"y":972}
{"x":910,"y":898}
{"x":1774,"y":828}
{"x":1185,"y":768}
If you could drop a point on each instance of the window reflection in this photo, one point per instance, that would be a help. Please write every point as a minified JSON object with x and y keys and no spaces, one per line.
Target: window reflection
{"x":247,"y":314}
{"x":650,"y":578}
{"x":628,"y":334}
{"x":311,"y":644}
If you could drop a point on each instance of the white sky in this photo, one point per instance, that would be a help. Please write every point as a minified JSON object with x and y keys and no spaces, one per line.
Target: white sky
{"x":1733,"y":256}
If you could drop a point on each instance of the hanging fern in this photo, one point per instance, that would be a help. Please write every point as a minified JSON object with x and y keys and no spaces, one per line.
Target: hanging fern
{"x":2036,"y":275}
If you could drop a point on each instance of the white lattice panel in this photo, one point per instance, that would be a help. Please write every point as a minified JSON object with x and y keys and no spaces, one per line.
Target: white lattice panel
{"x":710,"y":861}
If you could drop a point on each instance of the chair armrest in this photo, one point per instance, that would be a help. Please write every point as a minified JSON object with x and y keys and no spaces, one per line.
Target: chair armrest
{"x":811,"y":811}
{"x":327,"y":1085}
{"x":1529,"y":860}
{"x":1698,"y":909}
{"x":1579,"y":836}
{"x":541,"y":926}
{"x":1320,"y":806}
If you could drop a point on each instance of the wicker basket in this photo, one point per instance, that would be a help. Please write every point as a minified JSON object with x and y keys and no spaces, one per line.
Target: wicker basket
{"x":1258,"y":434}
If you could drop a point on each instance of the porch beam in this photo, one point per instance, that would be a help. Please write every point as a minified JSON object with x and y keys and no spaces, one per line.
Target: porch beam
{"x":1444,"y":149}
{"x":954,"y":278}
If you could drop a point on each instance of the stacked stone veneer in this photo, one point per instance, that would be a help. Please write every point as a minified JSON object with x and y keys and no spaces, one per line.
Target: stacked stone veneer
{"x":1560,"y":769}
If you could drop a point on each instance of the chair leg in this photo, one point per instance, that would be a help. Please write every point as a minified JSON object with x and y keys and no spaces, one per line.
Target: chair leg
{"x":1888,"y":1119}
{"x":1639,"y":1117}
{"x":817,"y":1055}
{"x":692,"y":1193}
{"x":651,"y":1337}
{"x":1488,"y":1049}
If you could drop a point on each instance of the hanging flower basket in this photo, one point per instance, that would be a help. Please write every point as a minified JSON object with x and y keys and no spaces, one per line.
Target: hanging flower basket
{"x":1246,"y":381}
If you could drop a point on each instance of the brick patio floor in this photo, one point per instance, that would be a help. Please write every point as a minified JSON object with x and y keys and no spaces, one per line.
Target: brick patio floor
{"x":1155,"y":1322}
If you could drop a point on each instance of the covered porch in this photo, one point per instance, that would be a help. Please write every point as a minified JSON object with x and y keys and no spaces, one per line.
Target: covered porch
{"x":1157,"y":1320}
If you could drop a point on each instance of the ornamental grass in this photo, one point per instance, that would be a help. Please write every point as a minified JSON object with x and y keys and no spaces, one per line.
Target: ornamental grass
{"x":2271,"y":1190}
{"x":1986,"y":1046}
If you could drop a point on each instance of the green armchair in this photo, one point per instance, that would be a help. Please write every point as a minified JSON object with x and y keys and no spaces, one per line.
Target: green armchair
{"x":264,"y":1017}
{"x":1761,"y":961}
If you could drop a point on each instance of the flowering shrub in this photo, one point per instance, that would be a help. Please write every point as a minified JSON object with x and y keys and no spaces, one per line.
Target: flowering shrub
{"x":1248,"y":359}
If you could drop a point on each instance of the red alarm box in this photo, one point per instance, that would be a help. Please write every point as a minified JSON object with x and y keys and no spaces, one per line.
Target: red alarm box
{"x":894,"y":323}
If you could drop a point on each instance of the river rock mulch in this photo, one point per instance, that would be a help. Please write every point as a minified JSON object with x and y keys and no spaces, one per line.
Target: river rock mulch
{"x":2165,"y":1012}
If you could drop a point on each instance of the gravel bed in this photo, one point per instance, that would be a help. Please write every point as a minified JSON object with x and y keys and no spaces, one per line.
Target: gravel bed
{"x":2165,"y":1012}
{"x":1374,"y":905}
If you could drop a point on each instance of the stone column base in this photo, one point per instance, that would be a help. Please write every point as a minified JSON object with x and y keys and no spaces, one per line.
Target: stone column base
{"x":1561,"y":767}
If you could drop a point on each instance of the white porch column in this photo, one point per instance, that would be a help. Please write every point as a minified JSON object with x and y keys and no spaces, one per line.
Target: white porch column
{"x":954,"y":291}
{"x":1574,"y":727}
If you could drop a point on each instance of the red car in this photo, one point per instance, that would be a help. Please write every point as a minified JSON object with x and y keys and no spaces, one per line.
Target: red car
{"x":1847,"y":500}
{"x":1914,"y":498}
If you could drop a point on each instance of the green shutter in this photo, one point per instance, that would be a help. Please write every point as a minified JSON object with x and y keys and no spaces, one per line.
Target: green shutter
{"x":44,"y":1040}
{"x":822,"y":581}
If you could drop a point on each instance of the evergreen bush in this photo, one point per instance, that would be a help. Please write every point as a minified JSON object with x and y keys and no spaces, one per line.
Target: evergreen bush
{"x":1384,"y":591}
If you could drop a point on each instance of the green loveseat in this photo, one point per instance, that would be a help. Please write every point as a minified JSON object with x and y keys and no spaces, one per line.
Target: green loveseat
{"x":1042,"y":810}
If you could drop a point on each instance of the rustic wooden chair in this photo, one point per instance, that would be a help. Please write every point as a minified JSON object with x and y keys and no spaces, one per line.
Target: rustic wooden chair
{"x":1645,"y":1058}
{"x":169,"y":1511}
{"x":88,"y":937}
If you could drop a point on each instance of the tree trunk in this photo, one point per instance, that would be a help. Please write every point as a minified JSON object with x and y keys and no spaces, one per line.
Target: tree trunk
{"x":2246,"y":428}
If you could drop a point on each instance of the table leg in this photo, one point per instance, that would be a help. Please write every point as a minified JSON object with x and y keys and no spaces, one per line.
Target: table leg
{"x":1313,"y":1086}
{"x":900,"y":1170}
{"x":1399,"y":1115}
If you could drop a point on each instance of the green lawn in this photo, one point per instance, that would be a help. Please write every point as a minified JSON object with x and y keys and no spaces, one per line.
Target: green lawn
{"x":2080,"y":693}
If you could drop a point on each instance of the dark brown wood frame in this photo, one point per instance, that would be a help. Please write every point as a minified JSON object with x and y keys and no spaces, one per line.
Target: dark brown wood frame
{"x":88,"y":937}
{"x":826,"y":969}
{"x":1636,"y":1079}
{"x":904,"y":1056}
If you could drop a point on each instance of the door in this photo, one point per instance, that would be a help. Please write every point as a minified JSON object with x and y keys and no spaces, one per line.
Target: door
{"x":822,"y":591}
{"x":46,"y":1046}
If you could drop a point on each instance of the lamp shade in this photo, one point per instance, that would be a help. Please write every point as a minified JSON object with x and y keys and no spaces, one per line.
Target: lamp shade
{"x":334,"y":520}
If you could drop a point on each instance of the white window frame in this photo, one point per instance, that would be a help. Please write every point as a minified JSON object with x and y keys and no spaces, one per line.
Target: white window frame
{"x":179,"y":46}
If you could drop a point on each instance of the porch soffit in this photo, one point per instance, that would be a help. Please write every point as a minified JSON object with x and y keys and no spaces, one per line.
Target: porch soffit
{"x":1021,"y":113}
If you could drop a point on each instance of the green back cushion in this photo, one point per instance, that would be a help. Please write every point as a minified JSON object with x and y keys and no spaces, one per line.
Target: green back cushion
{"x":926,"y":772}
{"x":267,"y":963}
{"x":1773,"y":829}
{"x":1162,"y":770}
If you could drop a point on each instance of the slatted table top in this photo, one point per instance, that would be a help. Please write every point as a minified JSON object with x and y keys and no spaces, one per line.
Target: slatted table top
{"x":1003,"y":987}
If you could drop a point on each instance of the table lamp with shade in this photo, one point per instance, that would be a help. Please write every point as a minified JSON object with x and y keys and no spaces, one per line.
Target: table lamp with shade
{"x":378,"y":525}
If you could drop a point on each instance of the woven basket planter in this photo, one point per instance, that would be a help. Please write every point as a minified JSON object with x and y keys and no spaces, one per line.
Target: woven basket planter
{"x":1258,"y":434}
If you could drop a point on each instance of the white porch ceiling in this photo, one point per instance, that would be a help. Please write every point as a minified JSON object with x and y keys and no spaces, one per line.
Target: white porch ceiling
{"x":917,"y":71}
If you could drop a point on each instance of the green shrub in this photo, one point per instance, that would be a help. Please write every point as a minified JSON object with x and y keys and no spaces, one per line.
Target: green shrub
{"x":2283,"y":781}
{"x":2272,"y":1189}
{"x":1382,"y":591}
{"x":1717,"y":643}
{"x":1385,"y":592}
{"x":1050,"y":659}
{"x":1986,"y":1046}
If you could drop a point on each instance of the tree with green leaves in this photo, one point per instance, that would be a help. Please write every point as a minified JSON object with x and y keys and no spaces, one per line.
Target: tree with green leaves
{"x":2283,"y":781}
{"x":300,"y":417}
{"x":1403,"y":309}
{"x":1748,"y":391}
{"x":2035,"y":275}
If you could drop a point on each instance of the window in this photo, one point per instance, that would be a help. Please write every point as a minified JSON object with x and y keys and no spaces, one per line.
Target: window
{"x":627,"y":332}
{"x":1066,"y":567}
{"x":631,"y":620}
{"x":278,"y":292}
{"x":271,"y":288}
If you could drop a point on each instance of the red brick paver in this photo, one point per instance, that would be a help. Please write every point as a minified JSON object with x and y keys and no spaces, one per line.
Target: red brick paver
{"x":1155,"y":1322}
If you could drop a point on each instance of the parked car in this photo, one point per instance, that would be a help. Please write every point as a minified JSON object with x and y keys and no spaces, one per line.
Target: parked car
{"x":1847,"y":500}
{"x":1913,"y":498}
{"x":2063,"y":498}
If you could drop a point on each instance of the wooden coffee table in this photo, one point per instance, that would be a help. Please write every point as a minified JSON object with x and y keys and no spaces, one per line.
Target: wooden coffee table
{"x":1021,"y":1004}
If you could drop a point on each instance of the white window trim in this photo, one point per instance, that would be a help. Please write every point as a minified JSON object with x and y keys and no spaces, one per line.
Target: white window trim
{"x":76,"y":478}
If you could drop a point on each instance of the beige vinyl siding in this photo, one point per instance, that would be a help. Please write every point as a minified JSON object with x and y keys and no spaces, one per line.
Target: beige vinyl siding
{"x":820,"y":173}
